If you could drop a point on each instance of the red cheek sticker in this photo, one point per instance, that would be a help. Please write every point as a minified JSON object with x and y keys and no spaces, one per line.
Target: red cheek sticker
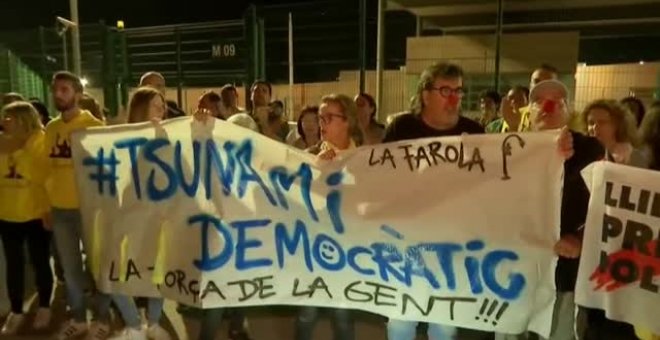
{"x":453,"y":100}
{"x":549,"y":106}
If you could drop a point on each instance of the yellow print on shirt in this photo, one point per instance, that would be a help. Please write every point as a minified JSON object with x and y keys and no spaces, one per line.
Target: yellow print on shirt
{"x":61,"y":149}
{"x":11,"y":177}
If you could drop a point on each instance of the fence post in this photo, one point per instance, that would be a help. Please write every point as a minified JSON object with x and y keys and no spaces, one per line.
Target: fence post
{"x":108,"y":73}
{"x":125,"y":77}
{"x":252,"y":41}
{"x":657,"y":87}
{"x":363,"y":45}
{"x":42,"y":64}
{"x":179,"y":68}
{"x":262,"y":47}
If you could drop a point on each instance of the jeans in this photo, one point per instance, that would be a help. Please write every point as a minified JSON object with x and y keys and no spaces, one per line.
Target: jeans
{"x":4,"y":298}
{"x":67,"y":229}
{"x":563,"y":317}
{"x":407,"y":330}
{"x":342,"y":324}
{"x":14,"y":237}
{"x":599,"y":327}
{"x":130,"y":313}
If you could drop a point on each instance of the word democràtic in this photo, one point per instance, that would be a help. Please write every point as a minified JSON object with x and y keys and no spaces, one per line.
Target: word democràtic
{"x":231,"y":164}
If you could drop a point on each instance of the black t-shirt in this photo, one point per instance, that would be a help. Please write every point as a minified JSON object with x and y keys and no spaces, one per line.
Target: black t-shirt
{"x":411,"y":126}
{"x":575,"y":202}
{"x":173,"y":110}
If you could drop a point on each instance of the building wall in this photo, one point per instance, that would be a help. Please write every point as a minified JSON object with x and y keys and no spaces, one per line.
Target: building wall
{"x":521,"y":53}
{"x":616,"y":82}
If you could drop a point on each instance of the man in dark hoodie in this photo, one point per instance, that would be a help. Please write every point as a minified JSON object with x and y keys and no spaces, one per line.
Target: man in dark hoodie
{"x":549,"y":111}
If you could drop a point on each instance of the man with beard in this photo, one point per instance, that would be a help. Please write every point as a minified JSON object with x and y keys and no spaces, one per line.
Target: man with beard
{"x":67,"y":90}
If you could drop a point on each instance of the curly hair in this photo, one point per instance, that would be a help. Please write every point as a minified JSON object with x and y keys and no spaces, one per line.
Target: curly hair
{"x":623,"y":119}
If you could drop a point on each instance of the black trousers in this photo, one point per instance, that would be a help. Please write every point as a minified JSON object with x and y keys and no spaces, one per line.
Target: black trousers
{"x":599,"y":327}
{"x":14,"y":238}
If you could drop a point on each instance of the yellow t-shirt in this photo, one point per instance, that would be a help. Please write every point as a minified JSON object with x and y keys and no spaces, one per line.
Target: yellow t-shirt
{"x":524,"y":125}
{"x":22,"y":175}
{"x":646,"y":334}
{"x":61,"y":184}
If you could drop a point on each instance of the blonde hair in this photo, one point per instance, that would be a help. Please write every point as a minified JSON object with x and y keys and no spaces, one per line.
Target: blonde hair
{"x":26,"y":117}
{"x":349,"y":109}
{"x":138,"y":108}
{"x":623,"y":119}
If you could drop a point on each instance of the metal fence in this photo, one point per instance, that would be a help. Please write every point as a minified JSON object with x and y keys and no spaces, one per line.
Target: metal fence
{"x":16,"y":76}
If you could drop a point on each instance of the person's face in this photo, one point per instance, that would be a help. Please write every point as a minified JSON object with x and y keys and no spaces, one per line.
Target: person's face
{"x":310,"y":125}
{"x":64,"y":95}
{"x":511,"y":104}
{"x":156,"y":109}
{"x":517,"y":99}
{"x":155,"y":82}
{"x":364,"y":109}
{"x":9,"y":125}
{"x":549,"y":110}
{"x":230,"y":98}
{"x":443,"y":101}
{"x":487,"y":105}
{"x":601,"y":126}
{"x":334,"y":124}
{"x":260,"y":95}
{"x":540,"y":75}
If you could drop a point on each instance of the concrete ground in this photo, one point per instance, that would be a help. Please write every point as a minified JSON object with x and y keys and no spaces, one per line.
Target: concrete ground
{"x":265,"y":323}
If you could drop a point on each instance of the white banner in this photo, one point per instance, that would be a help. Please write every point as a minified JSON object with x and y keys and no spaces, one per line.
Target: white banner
{"x":620,"y":263}
{"x":453,"y":230}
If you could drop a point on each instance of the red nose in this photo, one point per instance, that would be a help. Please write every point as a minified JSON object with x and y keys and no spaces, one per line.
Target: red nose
{"x":453,"y":100}
{"x":549,"y":106}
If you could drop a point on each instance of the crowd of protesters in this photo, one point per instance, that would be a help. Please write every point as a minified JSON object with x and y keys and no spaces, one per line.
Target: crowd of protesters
{"x":39,"y":206}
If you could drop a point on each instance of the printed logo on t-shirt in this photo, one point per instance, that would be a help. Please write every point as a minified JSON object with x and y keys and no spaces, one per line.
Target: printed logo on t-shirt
{"x":62,"y":149}
{"x":13,"y":174}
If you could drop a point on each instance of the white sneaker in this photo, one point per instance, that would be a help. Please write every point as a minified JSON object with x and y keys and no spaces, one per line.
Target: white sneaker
{"x":98,"y":331}
{"x":13,"y":324}
{"x":72,"y":330}
{"x":42,"y":319}
{"x":156,"y":332}
{"x":129,"y":333}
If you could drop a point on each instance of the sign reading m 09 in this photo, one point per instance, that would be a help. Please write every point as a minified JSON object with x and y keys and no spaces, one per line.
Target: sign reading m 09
{"x":224,"y":50}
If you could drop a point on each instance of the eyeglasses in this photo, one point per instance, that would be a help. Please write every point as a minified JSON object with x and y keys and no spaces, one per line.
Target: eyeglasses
{"x":446,"y":91}
{"x":327,"y":118}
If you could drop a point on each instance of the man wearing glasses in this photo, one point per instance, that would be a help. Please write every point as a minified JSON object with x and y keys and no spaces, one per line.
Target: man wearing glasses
{"x":435,"y":108}
{"x":435,"y":113}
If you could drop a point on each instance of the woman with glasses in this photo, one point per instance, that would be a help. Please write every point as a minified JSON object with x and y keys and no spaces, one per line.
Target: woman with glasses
{"x":339,"y":133}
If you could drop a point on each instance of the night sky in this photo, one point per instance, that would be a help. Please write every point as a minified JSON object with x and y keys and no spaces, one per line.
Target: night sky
{"x":33,"y":13}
